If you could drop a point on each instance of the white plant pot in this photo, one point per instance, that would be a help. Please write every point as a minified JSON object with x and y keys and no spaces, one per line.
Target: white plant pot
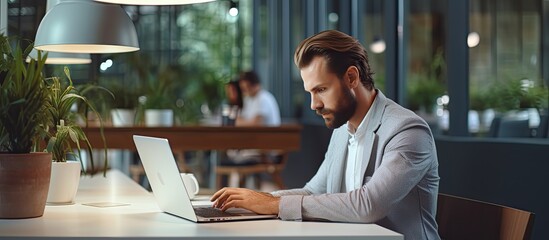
{"x":487,"y":117}
{"x":122,"y":117}
{"x":65,"y":178}
{"x":533,"y":117}
{"x":159,"y":117}
{"x":474,"y":121}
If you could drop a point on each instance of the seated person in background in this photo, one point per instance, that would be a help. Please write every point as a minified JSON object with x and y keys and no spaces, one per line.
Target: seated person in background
{"x":259,"y":109}
{"x":233,"y":106}
{"x":234,"y":94}
{"x":381,"y":164}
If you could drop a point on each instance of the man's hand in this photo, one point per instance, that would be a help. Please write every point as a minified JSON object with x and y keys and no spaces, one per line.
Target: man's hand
{"x":258,"y":202}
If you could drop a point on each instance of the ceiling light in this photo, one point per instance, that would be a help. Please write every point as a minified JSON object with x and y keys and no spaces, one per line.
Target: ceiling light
{"x":62,"y":58}
{"x":473,"y":39}
{"x":233,"y":9}
{"x":378,"y":45}
{"x":85,"y":26}
{"x":154,"y":2}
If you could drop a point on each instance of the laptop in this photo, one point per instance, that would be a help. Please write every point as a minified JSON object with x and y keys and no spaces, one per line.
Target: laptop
{"x":169,"y":189}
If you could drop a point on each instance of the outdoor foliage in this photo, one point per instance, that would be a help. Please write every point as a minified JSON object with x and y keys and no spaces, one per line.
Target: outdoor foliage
{"x":424,"y":90}
{"x":516,"y":94}
{"x":191,"y":75}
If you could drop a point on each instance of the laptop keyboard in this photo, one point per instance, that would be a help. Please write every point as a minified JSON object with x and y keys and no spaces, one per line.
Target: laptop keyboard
{"x":209,"y":212}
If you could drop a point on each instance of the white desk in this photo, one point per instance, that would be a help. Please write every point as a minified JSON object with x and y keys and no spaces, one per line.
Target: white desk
{"x":142,"y":219}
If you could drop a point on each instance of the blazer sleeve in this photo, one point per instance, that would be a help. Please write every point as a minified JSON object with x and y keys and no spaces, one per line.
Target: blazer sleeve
{"x":289,"y":208}
{"x":407,"y":157}
{"x":291,"y":200}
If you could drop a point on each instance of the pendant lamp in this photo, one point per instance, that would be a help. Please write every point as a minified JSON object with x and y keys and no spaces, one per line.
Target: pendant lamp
{"x":57,"y":57}
{"x":154,"y":2}
{"x":85,"y":26}
{"x":62,"y":58}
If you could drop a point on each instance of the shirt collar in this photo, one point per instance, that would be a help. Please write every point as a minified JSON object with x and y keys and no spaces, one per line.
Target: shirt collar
{"x":361,"y":130}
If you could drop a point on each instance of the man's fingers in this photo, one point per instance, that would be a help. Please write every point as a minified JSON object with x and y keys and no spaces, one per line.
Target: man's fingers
{"x":231,"y":204}
{"x":220,"y":192}
{"x":217,"y":194}
{"x":259,"y":202}
{"x":221,"y":200}
{"x":222,"y":195}
{"x":230,"y":197}
{"x":234,"y":197}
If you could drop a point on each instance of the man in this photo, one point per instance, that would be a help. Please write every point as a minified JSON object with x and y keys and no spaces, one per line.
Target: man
{"x":381,"y":164}
{"x":260,"y":106}
{"x":259,"y":109}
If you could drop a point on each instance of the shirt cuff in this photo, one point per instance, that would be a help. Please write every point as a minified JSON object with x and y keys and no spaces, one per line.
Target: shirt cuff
{"x":289,"y":208}
{"x":276,"y":193}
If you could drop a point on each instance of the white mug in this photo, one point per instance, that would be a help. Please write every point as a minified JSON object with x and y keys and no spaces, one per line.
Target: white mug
{"x":191,"y":184}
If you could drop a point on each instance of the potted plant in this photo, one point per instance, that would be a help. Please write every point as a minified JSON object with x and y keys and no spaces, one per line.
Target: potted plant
{"x":159,"y":101}
{"x":63,"y":136}
{"x":123,"y":103}
{"x":188,"y":89}
{"x":479,"y":104}
{"x":24,"y":172}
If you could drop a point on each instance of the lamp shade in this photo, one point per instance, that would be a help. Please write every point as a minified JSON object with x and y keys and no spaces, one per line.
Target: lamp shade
{"x":86,"y":27}
{"x":154,"y":2}
{"x":62,"y":58}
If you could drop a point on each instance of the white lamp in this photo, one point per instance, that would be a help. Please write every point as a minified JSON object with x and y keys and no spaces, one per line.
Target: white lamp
{"x":473,"y":39}
{"x":62,"y":58}
{"x":378,"y":45}
{"x":85,"y":26}
{"x":58,"y":57}
{"x":154,"y":2}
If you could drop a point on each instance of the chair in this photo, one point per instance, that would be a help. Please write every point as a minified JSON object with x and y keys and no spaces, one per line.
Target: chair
{"x":494,"y":127}
{"x":543,"y":127}
{"x":461,"y":218}
{"x":273,"y":167}
{"x":514,"y":128}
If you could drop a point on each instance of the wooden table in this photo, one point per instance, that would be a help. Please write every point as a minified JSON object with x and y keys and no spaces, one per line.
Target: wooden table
{"x":285,"y":137}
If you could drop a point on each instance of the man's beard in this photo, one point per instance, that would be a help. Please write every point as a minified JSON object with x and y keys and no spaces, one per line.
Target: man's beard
{"x":344,"y":110}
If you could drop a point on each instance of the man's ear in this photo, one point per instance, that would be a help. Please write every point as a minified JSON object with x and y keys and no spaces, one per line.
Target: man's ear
{"x":353,"y":78}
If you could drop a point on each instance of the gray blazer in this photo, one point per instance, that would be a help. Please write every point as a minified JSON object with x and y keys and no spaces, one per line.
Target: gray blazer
{"x":400,"y":194}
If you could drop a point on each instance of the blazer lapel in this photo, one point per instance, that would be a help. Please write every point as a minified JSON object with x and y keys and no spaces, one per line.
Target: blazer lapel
{"x":367,"y":168}
{"x":377,"y":109}
{"x":338,"y":164}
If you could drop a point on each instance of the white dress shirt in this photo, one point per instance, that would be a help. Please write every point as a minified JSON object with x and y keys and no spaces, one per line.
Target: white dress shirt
{"x":355,"y":154}
{"x":262,"y":104}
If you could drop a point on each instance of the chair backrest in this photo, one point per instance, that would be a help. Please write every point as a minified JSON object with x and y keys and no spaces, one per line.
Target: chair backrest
{"x":272,"y":162}
{"x":494,"y":127}
{"x":514,"y":128}
{"x":543,"y":127}
{"x":462,"y":218}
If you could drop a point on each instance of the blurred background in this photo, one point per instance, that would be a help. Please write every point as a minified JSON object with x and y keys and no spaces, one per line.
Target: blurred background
{"x":192,"y":50}
{"x":476,"y":70}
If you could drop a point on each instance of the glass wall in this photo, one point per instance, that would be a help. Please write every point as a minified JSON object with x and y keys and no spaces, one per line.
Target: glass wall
{"x":189,"y":50}
{"x":207,"y":46}
{"x":371,"y":34}
{"x":426,"y":80}
{"x":506,"y":81}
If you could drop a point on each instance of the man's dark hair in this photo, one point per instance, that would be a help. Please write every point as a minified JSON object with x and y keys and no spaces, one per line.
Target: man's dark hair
{"x":340,"y":51}
{"x":251,"y":77}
